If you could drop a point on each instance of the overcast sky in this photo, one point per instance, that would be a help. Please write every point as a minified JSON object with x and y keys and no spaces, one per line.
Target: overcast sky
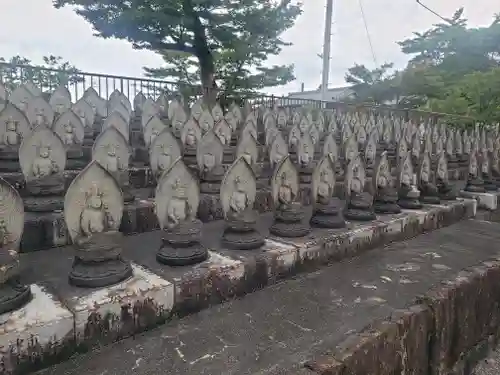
{"x":33,"y":28}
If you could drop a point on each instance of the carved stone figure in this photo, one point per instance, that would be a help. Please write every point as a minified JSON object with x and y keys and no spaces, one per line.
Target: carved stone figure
{"x":475,"y":183}
{"x":13,"y":294}
{"x":370,"y":154}
{"x":177,"y":199}
{"x":117,"y":99}
{"x":14,"y":126}
{"x":70,"y":129}
{"x":489,"y":183}
{"x":359,"y":205}
{"x":327,"y":210}
{"x":408,"y":193}
{"x":150,"y":109}
{"x":223,"y":131}
{"x":350,"y":149}
{"x":112,"y":152}
{"x":428,"y":191}
{"x":117,"y":121}
{"x":139,"y":101}
{"x":197,"y":110}
{"x":86,"y":114}
{"x":179,"y":119}
{"x":289,"y":214}
{"x":278,"y":150}
{"x":60,"y":100}
{"x":386,"y":195}
{"x":99,"y":105}
{"x":152,"y":129}
{"x":190,"y":137}
{"x":164,"y":151}
{"x":445,"y":189}
{"x":217,"y":113}
{"x":21,"y":96}
{"x":39,"y":112}
{"x":93,"y":209}
{"x":209,"y":155}
{"x":42,"y":157}
{"x":237,"y":195}
{"x":305,"y":153}
{"x":206,"y":121}
{"x":248,"y":148}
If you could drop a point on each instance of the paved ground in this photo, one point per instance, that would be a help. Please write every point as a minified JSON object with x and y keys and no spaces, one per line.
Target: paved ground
{"x":490,"y":365}
{"x":275,"y":330}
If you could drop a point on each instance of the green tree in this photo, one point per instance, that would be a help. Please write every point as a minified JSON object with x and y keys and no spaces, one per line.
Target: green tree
{"x":212,"y":31}
{"x":374,"y":86}
{"x":452,"y":69}
{"x":53,"y":72}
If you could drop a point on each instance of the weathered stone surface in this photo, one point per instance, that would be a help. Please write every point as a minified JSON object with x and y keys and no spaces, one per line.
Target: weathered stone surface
{"x":266,"y":332}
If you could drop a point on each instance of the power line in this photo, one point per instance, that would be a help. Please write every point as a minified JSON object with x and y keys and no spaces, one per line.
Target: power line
{"x":368,"y":32}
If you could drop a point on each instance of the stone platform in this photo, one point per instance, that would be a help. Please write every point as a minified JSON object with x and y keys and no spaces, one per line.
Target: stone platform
{"x":157,"y":293}
{"x":412,"y":307}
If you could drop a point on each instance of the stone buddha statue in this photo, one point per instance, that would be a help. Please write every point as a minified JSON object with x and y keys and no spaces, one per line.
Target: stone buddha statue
{"x":13,"y":294}
{"x":93,"y":208}
{"x":191,"y":140}
{"x":112,"y":161}
{"x":327,"y":211}
{"x":178,"y":206}
{"x":177,"y":199}
{"x":94,"y":217}
{"x":445,"y":189}
{"x":11,"y":137}
{"x":289,"y":214}
{"x":408,"y":194}
{"x":474,"y":184}
{"x":428,"y":191}
{"x":359,"y":203}
{"x":43,"y":166}
{"x":489,"y":183}
{"x":69,"y":134}
{"x":386,"y":195}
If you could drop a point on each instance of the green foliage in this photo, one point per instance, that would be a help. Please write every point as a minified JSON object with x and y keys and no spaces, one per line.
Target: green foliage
{"x":17,"y":70}
{"x":223,"y":42}
{"x":453,"y":69}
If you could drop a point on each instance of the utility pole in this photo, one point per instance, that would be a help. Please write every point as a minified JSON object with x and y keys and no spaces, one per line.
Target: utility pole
{"x":326,"y":49}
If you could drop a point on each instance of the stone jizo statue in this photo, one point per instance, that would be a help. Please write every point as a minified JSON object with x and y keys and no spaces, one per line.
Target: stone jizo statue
{"x":237,"y":195}
{"x":93,"y":208}
{"x":177,"y":199}
{"x":13,"y":294}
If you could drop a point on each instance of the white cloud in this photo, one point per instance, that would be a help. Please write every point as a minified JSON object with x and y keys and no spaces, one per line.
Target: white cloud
{"x":33,"y":28}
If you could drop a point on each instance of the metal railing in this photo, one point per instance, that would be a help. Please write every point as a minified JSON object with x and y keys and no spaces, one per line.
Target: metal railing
{"x":47,"y":79}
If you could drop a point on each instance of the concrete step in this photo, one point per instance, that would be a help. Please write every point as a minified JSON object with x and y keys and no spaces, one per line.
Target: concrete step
{"x":410,"y":305}
{"x":62,"y":319}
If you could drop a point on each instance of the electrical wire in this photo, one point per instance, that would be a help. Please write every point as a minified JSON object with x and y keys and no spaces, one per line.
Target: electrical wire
{"x":368,"y":32}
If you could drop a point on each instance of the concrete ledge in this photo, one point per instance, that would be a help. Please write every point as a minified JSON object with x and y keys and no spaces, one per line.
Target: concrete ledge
{"x":487,"y":201}
{"x":40,"y":326}
{"x":156,"y":292}
{"x":446,"y":331}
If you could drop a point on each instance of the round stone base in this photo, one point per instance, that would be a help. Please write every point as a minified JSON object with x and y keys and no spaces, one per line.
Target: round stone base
{"x":290,"y":230}
{"x":44,"y":203}
{"x":474,"y":188}
{"x":410,"y":204}
{"x":386,"y":208}
{"x":242,"y":240}
{"x":355,"y":214}
{"x":490,"y":187}
{"x":448,"y":196}
{"x":99,"y":274}
{"x":182,"y":256}
{"x":430,"y":200}
{"x":13,"y":295}
{"x":332,"y":221}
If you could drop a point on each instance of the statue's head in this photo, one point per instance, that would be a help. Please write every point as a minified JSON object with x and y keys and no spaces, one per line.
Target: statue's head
{"x":238,"y":184}
{"x":68,"y":127}
{"x":39,"y":116}
{"x":248,"y":157}
{"x":406,"y":178}
{"x":112,"y":150}
{"x":284,"y":180}
{"x":44,"y":151}
{"x":11,"y":124}
{"x":165,"y":150}
{"x":94,"y":197}
{"x":324,"y":176}
{"x":208,"y":160}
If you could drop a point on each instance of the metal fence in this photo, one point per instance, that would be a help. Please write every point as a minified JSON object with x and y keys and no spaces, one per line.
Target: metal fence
{"x":48,"y":79}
